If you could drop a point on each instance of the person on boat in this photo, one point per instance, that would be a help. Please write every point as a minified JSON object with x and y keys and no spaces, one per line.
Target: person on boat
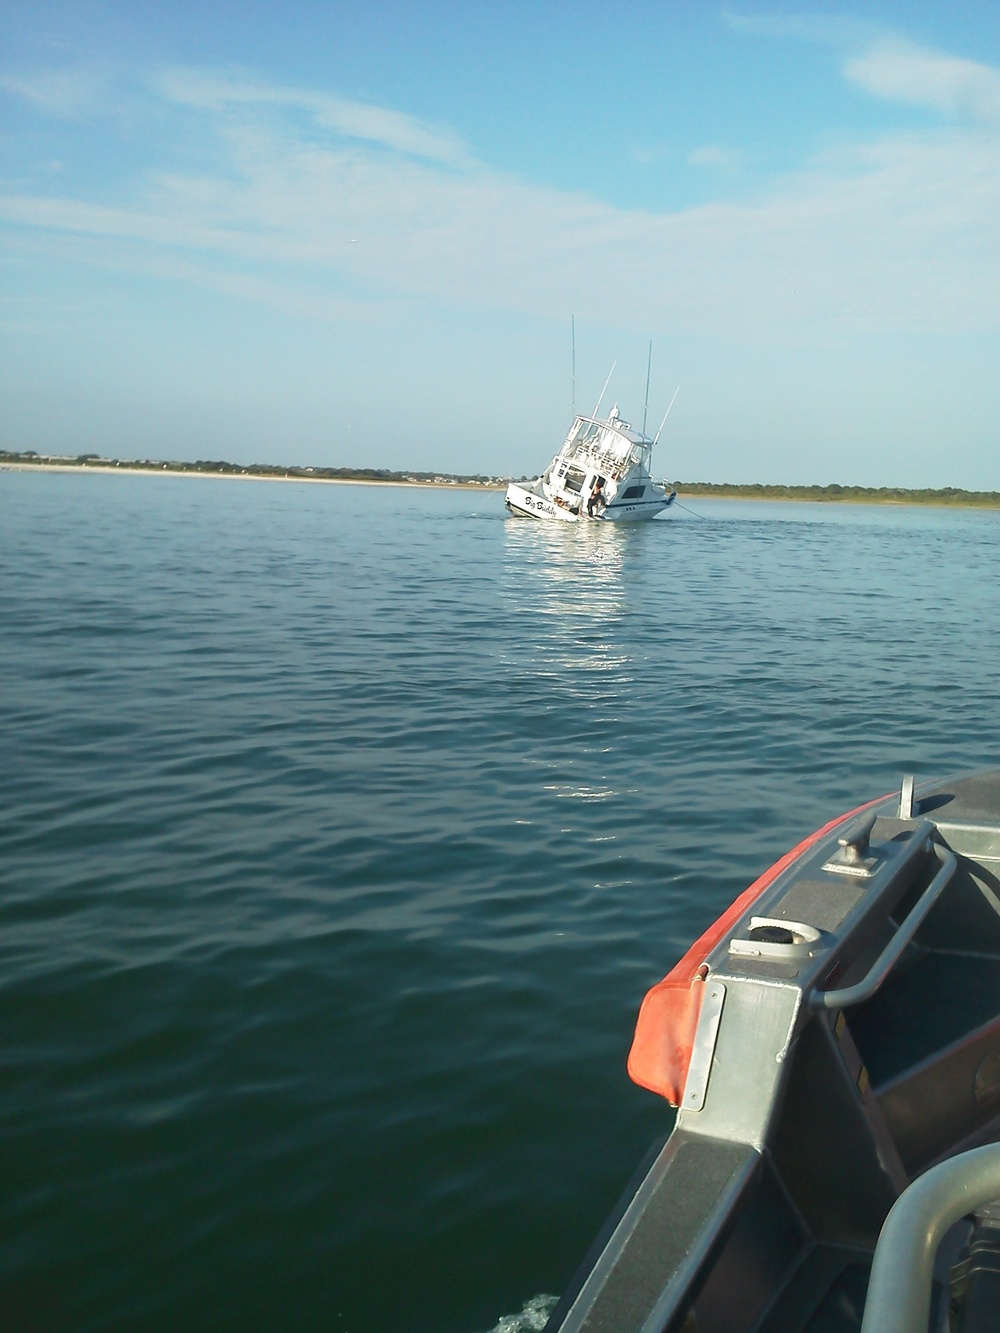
{"x":597,"y":499}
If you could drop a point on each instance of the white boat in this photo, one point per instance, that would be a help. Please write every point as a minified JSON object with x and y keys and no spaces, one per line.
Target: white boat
{"x":601,"y":472}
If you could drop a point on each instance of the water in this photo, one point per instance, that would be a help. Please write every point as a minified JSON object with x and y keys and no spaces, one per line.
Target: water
{"x":342,"y":830}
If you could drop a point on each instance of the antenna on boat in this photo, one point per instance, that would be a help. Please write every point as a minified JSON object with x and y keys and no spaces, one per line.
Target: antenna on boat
{"x":572,"y":325}
{"x":605,"y":389}
{"x":666,"y":414}
{"x":649,"y":367}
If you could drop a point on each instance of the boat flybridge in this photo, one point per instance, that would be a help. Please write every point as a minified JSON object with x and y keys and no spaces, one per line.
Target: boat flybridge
{"x":601,"y":472}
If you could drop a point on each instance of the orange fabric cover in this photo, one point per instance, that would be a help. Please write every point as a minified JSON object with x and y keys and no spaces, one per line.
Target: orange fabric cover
{"x":668,"y":1016}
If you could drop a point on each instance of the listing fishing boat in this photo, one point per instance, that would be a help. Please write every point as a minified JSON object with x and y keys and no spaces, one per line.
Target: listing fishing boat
{"x":601,"y":472}
{"x":832,"y":1046}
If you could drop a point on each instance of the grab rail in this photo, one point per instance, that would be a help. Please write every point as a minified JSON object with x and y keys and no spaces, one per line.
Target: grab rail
{"x":890,"y":955}
{"x":899,"y":1290}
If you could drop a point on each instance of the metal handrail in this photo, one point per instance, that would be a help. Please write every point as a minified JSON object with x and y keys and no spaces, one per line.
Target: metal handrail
{"x":890,"y":955}
{"x":899,"y":1290}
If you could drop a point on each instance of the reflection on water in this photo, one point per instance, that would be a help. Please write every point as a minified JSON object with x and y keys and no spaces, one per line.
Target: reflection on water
{"x":572,"y":580}
{"x":570,"y":567}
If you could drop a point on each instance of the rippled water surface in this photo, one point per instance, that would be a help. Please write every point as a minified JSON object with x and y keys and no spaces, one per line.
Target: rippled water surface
{"x":342,"y":830}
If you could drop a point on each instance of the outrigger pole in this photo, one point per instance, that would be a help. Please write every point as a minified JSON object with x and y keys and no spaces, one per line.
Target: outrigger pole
{"x":572,"y":325}
{"x":605,"y":389}
{"x":666,"y":414}
{"x":649,"y":367}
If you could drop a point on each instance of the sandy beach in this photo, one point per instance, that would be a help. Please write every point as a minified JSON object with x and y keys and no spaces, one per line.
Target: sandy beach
{"x":168,"y":471}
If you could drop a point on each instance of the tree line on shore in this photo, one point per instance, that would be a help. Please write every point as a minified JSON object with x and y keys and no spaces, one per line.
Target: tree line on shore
{"x":219,"y":466}
{"x":946,"y":495}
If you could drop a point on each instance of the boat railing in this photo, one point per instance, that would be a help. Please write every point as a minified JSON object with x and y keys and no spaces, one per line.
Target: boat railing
{"x":899,"y":1291}
{"x":609,"y":464}
{"x":846,"y":996}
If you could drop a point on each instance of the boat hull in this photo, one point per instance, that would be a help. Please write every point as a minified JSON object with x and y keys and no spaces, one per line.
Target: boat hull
{"x":524,"y":502}
{"x":834,"y":1036}
{"x":637,"y":511}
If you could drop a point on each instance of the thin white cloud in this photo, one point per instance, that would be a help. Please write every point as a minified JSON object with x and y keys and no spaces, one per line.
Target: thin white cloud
{"x":829,"y":29}
{"x":886,"y":65}
{"x":899,"y":234}
{"x":357,"y":120}
{"x":63,"y":93}
{"x":902,"y":72}
{"x":715,"y":155}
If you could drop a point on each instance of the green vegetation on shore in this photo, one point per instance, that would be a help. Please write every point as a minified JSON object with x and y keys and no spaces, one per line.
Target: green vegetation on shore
{"x":219,"y":467}
{"x":947,"y":495}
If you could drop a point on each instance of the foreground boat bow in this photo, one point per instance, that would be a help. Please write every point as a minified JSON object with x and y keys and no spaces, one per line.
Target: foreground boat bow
{"x":834,"y":1035}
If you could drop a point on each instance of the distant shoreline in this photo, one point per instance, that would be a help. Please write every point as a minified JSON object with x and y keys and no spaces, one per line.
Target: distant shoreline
{"x":948,"y":497}
{"x":167,"y":470}
{"x":914,"y":500}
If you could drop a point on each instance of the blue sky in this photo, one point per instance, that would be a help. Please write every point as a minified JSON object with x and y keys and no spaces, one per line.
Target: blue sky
{"x":356,"y":234}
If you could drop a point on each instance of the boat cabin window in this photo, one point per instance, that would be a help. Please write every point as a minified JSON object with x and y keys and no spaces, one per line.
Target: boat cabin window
{"x":575,"y":479}
{"x":633,"y":492}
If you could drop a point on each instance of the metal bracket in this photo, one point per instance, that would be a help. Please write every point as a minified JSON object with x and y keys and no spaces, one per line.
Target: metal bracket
{"x":908,"y":807}
{"x":855,"y":856}
{"x":703,"y":1047}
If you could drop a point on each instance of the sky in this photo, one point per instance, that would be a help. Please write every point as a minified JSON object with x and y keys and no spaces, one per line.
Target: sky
{"x":359,"y":235}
